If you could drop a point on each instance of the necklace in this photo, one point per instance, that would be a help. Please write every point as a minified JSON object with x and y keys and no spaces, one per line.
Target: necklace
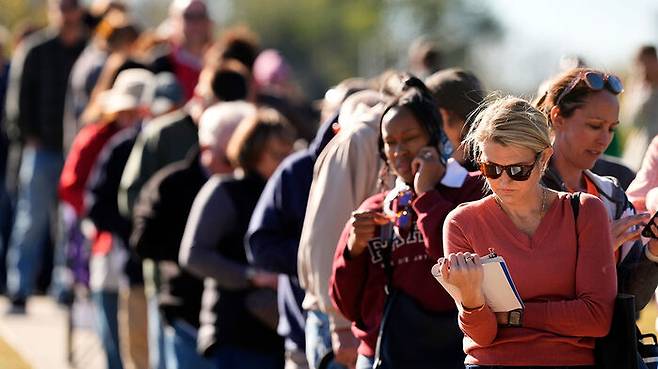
{"x":544,"y":193}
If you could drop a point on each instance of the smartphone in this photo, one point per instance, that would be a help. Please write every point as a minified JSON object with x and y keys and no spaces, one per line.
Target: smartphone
{"x":646,"y":231}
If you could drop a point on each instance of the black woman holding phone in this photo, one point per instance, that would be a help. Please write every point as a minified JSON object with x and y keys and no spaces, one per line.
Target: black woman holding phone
{"x":583,"y":112}
{"x":381,"y":275}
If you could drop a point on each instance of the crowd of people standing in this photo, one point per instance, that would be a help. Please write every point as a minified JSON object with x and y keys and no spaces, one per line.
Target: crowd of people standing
{"x":217,"y":220}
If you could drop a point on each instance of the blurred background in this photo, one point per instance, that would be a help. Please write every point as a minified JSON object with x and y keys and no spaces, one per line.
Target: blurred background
{"x":512,"y":45}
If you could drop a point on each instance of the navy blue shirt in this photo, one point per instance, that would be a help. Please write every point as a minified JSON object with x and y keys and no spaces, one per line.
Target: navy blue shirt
{"x":276,"y":226}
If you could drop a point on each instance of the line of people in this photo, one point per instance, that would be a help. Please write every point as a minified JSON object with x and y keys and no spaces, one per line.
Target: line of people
{"x":207,"y":241}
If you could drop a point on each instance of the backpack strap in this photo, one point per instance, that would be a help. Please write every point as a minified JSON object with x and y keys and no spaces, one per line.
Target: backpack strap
{"x":575,"y":206}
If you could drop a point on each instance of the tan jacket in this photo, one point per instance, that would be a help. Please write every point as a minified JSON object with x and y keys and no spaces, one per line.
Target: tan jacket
{"x":345,"y":174}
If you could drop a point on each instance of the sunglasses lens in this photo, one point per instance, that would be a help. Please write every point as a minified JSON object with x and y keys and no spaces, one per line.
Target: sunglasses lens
{"x":615,"y":85}
{"x":491,"y":170}
{"x":520,"y":173}
{"x":515,"y":170}
{"x":595,"y":80}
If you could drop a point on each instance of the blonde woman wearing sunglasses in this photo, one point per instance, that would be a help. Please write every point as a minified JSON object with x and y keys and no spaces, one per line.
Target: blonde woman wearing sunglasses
{"x":382,"y":261}
{"x":583,"y":113}
{"x":563,"y":269}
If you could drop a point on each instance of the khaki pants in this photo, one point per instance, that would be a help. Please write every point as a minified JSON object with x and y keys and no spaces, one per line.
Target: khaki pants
{"x":133,"y":328}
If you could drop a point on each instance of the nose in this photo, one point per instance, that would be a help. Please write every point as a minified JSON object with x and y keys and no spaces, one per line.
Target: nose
{"x":605,"y":138}
{"x":504,"y":179}
{"x":398,"y":149}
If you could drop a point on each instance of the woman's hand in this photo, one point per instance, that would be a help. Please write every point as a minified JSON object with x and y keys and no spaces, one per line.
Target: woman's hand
{"x":427,"y":168}
{"x":363,"y":224}
{"x":464,"y":271}
{"x":620,"y":228}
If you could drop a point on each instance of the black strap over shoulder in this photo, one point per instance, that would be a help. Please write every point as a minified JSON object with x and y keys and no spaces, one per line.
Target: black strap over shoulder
{"x":575,"y":205}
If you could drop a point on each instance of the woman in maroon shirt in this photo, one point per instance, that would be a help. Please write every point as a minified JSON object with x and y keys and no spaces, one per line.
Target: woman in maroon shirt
{"x":409,"y":143}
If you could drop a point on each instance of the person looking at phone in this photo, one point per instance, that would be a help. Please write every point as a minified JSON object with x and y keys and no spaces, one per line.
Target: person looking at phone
{"x":583,"y":113}
{"x":425,"y":189}
{"x":562,"y":267}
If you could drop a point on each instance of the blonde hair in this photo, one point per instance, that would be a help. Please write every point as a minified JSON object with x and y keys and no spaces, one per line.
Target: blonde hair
{"x":508,"y":121}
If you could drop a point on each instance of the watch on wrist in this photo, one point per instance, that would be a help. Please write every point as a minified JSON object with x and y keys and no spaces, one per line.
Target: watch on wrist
{"x":515,"y":318}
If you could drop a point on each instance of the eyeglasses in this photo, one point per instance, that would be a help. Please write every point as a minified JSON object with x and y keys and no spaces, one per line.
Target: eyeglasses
{"x":401,"y":206}
{"x":517,"y":172}
{"x":596,"y":81}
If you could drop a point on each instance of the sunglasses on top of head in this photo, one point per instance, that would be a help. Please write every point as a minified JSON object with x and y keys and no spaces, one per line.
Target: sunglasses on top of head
{"x":517,"y":172}
{"x":596,"y":81}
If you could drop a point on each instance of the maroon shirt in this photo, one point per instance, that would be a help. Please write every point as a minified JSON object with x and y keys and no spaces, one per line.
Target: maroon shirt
{"x":357,"y":283}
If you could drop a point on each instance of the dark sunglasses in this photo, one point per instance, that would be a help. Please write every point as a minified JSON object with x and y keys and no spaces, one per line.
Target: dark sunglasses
{"x":596,"y":81}
{"x":517,"y":172}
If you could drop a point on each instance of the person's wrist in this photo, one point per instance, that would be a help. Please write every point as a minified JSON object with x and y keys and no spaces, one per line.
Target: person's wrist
{"x":472,"y":300}
{"x":354,"y":246}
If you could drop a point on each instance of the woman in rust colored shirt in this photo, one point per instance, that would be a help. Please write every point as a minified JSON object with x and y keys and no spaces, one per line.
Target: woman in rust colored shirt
{"x":562,"y":266}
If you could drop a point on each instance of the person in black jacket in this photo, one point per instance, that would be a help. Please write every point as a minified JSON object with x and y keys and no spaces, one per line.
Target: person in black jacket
{"x":159,"y":222}
{"x":35,"y":108}
{"x":237,"y":331}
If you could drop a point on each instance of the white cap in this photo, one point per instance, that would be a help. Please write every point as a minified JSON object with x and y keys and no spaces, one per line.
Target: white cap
{"x":218,"y":122}
{"x":132,"y":89}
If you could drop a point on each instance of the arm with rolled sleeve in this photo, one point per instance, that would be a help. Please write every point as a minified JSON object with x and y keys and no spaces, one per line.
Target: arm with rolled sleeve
{"x":211,"y":218}
{"x":589,"y":314}
{"x":479,"y":324}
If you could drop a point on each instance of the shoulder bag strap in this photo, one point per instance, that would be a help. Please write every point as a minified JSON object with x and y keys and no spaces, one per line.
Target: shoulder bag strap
{"x":387,"y":236}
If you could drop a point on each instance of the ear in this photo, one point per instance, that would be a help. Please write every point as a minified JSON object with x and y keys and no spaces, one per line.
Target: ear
{"x":557,"y":121}
{"x":445,"y":116}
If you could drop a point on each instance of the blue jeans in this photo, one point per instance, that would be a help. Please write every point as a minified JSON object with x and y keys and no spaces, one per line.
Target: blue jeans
{"x":364,"y":362}
{"x":180,"y":343}
{"x":36,"y":201}
{"x":318,"y":339}
{"x":232,"y":357}
{"x":107,"y":306}
{"x":6,"y":219}
{"x":156,"y":334}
